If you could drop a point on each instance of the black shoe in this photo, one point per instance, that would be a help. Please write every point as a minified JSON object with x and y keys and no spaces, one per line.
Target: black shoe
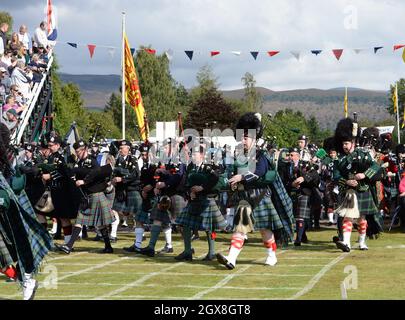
{"x":209,"y":257}
{"x":246,"y":240}
{"x":192,"y":251}
{"x":297,"y":244}
{"x":335,"y":239}
{"x":222,"y":260}
{"x":64,"y":248}
{"x":184,"y":256}
{"x":166,"y":250}
{"x":106,"y":250}
{"x":194,"y":237}
{"x":330,"y":224}
{"x":340,"y":245}
{"x":113,"y":239}
{"x":147,"y":252}
{"x":132,"y":249}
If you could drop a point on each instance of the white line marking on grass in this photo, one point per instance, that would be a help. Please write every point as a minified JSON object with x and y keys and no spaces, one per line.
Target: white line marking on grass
{"x":318,"y":277}
{"x":153,"y":285}
{"x":221,"y":284}
{"x":140,"y":281}
{"x":76,"y":273}
{"x":197,"y":274}
{"x":396,"y":247}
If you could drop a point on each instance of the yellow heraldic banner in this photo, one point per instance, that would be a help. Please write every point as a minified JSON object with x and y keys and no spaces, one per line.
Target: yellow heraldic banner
{"x":132,"y":90}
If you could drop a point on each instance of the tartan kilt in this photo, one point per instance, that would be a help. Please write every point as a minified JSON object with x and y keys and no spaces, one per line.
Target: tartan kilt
{"x":110,"y":197}
{"x":160,"y":215}
{"x":177,"y":205}
{"x":99,"y":214}
{"x":265,"y":214}
{"x":142,"y":217}
{"x":133,"y":203}
{"x":210,"y":219}
{"x":366,"y":203}
{"x":5,"y":256}
{"x":302,"y":207}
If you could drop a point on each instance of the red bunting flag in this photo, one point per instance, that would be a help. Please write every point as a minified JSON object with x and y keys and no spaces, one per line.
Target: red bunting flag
{"x":338,"y":53}
{"x":91,"y":47}
{"x":214,"y":53}
{"x":272,"y":53}
{"x":151,"y":51}
{"x":398,"y":46}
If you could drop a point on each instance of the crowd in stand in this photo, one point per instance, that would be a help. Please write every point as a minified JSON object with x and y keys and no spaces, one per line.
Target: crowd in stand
{"x":23,"y":61}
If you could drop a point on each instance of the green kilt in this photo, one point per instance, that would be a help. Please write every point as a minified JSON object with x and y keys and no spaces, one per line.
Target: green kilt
{"x":99,"y":214}
{"x":177,"y":205}
{"x":110,"y":197}
{"x":132,"y":204}
{"x":5,"y":255}
{"x":160,"y":215}
{"x":142,"y":217}
{"x":210,"y":219}
{"x":302,"y":207}
{"x":366,"y":203}
{"x":265,"y":214}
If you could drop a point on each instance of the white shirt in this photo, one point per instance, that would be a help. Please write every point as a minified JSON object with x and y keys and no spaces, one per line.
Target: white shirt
{"x":1,"y":47}
{"x":25,"y":39}
{"x":40,"y":38}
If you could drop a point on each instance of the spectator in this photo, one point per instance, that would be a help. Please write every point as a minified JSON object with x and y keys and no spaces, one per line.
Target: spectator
{"x":25,"y":38}
{"x":16,"y":93}
{"x":40,"y":36}
{"x":10,"y":119}
{"x":37,"y":68}
{"x":12,"y":104}
{"x":6,"y":59}
{"x":15,"y":43}
{"x":22,"y":78}
{"x":43,"y":54}
{"x":3,"y":88}
{"x":3,"y":36}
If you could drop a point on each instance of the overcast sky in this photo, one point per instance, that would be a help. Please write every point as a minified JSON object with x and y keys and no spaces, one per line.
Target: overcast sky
{"x":235,"y":25}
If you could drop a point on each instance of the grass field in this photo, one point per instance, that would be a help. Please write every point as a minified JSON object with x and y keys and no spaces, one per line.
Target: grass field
{"x":312,"y":271}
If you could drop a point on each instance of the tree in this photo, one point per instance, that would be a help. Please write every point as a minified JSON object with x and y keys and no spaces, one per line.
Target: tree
{"x":162,"y":96}
{"x":5,"y":17}
{"x":253,"y":101}
{"x":210,"y":106}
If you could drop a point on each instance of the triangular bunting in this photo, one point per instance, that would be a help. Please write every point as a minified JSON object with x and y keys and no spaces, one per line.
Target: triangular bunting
{"x":151,"y":51}
{"x":254,"y":54}
{"x":111,"y":52}
{"x":296,"y":54}
{"x":91,"y":47}
{"x":215,"y":53}
{"x":338,"y":53}
{"x":132,"y":51}
{"x":236,"y":53}
{"x":189,"y":54}
{"x":357,"y":51}
{"x":272,"y":53}
{"x":74,"y":45}
{"x":377,"y":48}
{"x":398,"y":46}
{"x":316,"y":52}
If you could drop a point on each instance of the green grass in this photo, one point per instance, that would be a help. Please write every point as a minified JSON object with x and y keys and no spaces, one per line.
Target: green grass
{"x":313,"y":271}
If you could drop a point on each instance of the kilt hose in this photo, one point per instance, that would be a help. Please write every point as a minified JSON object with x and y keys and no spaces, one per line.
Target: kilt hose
{"x":132,"y":204}
{"x":209,"y":218}
{"x":99,"y":214}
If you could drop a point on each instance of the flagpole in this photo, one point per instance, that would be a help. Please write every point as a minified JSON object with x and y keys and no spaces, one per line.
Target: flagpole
{"x":346,"y":103}
{"x":123,"y":77}
{"x":396,"y":105}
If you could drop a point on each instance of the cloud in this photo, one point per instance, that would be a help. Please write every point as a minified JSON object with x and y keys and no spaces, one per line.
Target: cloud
{"x":239,"y":25}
